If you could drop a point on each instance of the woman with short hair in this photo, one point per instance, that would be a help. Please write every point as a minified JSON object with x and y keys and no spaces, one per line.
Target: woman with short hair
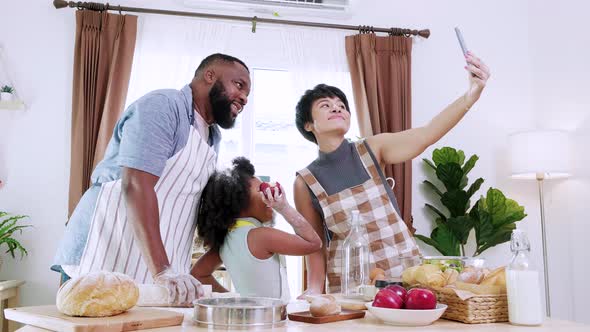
{"x":348,"y":176}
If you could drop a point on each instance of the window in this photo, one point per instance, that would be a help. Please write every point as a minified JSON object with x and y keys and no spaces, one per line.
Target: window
{"x":266,"y":134}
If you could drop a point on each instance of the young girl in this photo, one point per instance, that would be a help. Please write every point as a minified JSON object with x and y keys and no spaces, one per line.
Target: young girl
{"x":233,"y":223}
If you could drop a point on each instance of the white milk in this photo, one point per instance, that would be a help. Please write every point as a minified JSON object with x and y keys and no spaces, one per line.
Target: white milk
{"x":524,"y":297}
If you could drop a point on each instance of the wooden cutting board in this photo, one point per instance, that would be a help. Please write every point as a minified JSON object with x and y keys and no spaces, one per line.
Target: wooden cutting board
{"x":48,"y":317}
{"x":306,"y":316}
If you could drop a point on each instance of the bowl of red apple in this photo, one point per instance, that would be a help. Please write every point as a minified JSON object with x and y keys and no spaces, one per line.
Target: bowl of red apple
{"x":416,"y":307}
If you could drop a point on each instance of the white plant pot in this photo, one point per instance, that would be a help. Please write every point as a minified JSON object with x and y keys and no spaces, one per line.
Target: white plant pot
{"x":6,"y":96}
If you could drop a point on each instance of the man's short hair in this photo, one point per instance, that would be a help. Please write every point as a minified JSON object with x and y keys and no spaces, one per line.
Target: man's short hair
{"x":218,"y":57}
{"x":303,"y":108}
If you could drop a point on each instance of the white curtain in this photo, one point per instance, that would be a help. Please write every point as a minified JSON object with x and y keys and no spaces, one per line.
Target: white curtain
{"x":313,"y":53}
{"x":169,"y":49}
{"x":318,"y":56}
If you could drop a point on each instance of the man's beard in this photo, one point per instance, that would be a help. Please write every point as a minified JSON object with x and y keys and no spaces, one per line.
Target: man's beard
{"x":221,"y":105}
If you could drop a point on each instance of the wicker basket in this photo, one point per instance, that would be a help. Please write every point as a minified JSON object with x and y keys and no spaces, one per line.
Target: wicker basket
{"x":475,"y":310}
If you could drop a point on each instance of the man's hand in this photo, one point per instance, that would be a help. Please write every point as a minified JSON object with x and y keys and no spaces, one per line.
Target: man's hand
{"x":183,"y":289}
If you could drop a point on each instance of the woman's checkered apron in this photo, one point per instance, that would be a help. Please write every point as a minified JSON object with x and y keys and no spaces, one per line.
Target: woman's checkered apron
{"x":388,"y":236}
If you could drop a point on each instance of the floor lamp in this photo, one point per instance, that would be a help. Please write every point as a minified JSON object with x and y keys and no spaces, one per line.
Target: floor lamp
{"x":541,"y":155}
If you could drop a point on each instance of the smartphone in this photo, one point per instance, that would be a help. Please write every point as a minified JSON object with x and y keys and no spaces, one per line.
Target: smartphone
{"x":461,"y":41}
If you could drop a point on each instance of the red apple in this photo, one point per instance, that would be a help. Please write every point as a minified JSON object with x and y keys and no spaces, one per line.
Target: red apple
{"x":274,"y":186}
{"x":386,"y":298}
{"x":399,"y":290}
{"x":420,"y":298}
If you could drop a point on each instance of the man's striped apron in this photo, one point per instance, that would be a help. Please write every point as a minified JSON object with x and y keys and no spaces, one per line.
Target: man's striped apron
{"x":111,"y":244}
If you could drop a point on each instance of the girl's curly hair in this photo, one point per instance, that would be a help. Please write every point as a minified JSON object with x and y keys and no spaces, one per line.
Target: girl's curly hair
{"x":225,"y":195}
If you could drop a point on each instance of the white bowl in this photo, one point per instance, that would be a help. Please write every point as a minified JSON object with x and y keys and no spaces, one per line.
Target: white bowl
{"x":407,"y":317}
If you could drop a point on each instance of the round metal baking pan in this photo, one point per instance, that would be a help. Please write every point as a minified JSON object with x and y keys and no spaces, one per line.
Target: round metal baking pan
{"x":240,"y":312}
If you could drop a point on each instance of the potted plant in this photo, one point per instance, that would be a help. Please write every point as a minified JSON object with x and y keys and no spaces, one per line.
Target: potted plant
{"x":493,"y":216}
{"x":9,"y":226}
{"x":6,"y":93}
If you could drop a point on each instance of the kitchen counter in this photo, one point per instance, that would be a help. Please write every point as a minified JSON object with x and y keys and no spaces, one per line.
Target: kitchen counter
{"x":370,"y":323}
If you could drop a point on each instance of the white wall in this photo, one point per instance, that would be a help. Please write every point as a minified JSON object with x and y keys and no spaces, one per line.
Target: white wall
{"x":38,"y":43}
{"x":561,"y":86}
{"x":34,"y":145}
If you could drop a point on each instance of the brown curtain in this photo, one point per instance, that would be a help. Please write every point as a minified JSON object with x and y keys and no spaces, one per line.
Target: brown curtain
{"x":103,"y":54}
{"x":380,"y":68}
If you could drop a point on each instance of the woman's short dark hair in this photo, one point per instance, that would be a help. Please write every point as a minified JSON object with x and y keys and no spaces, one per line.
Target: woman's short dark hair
{"x":226,"y":194}
{"x":303,"y":108}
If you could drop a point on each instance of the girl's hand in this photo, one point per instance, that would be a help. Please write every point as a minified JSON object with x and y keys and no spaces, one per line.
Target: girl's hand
{"x":276,"y":201}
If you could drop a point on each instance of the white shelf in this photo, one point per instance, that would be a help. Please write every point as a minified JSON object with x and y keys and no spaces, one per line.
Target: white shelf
{"x":16,"y":105}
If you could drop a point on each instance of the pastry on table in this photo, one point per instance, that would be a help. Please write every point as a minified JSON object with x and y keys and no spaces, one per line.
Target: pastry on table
{"x":97,"y":294}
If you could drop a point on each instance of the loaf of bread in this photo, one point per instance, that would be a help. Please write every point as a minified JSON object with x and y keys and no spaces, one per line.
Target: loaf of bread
{"x":430,"y":275}
{"x":322,"y":306}
{"x":492,"y":283}
{"x":97,"y":294}
{"x":376,"y":274}
{"x":496,"y":278}
{"x":480,"y":289}
{"x":471,"y":275}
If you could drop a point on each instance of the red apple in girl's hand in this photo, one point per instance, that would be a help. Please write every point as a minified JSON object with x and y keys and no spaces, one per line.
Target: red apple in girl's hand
{"x":399,"y":290}
{"x":387,"y":298}
{"x":274,"y":186}
{"x":420,"y":298}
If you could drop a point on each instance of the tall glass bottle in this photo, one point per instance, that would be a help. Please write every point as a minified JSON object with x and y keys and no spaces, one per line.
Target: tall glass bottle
{"x":522,"y":284}
{"x":355,"y":259}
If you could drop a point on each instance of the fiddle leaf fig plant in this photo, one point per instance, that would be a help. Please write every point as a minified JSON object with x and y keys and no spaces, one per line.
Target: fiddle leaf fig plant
{"x":493,"y":217}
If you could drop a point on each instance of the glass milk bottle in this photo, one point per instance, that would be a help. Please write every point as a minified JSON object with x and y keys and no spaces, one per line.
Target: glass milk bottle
{"x":355,"y":259}
{"x":522,"y":284}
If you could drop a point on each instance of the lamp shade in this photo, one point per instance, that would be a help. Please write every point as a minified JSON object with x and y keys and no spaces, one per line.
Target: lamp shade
{"x":544,"y":152}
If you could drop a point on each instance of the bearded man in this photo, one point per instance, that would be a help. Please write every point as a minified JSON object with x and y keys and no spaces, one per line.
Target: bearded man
{"x":139,"y":215}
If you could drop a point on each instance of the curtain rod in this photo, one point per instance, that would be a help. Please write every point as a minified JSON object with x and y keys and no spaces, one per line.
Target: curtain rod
{"x":361,"y":28}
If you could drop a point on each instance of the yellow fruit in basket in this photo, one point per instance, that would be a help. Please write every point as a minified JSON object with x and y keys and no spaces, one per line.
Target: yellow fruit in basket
{"x":436,"y":279}
{"x":420,"y":276}
{"x":496,"y":278}
{"x":427,"y":274}
{"x":430,"y":268}
{"x":451,"y":276}
{"x":409,"y":275}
